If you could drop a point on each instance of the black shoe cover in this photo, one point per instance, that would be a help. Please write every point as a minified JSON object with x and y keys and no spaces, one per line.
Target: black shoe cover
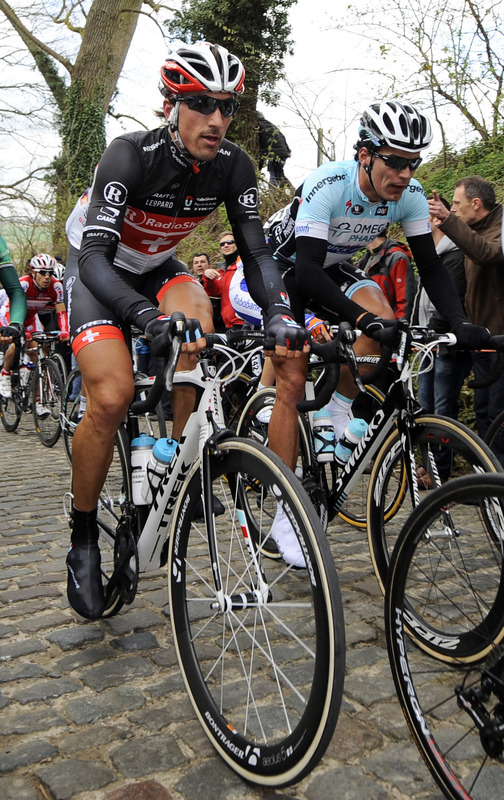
{"x":84,"y":585}
{"x":218,"y":509}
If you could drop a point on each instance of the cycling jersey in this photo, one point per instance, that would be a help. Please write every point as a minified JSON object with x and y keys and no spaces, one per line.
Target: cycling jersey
{"x":42,"y":299}
{"x":10,"y":281}
{"x":331,"y":218}
{"x":145,"y":198}
{"x":334,"y":208}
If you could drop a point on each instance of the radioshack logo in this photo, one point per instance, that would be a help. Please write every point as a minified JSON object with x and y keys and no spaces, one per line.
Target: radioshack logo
{"x":249,"y":198}
{"x":115,"y":193}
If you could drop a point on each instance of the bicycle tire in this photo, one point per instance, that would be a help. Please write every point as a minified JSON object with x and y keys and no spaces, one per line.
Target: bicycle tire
{"x":465,"y":607}
{"x":61,"y":364}
{"x":289,"y":648}
{"x":10,"y":407}
{"x":47,"y":395}
{"x":495,"y":436}
{"x":70,"y":410}
{"x":469,"y":454}
{"x":115,"y":508}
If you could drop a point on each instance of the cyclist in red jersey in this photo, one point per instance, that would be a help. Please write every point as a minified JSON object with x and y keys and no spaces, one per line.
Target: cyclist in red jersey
{"x":43,"y":292}
{"x":150,"y":190}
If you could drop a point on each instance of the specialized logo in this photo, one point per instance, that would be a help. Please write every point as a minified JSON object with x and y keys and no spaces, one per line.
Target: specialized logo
{"x":348,"y":206}
{"x":249,"y":198}
{"x":115,"y":193}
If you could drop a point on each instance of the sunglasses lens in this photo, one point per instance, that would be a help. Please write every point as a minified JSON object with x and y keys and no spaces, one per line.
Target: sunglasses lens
{"x":207,"y":105}
{"x":398,"y":163}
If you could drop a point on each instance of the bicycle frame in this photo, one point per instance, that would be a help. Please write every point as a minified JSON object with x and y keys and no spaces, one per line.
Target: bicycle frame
{"x":205,"y":423}
{"x":399,"y":407}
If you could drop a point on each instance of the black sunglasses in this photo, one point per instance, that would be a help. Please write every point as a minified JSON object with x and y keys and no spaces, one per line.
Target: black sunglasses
{"x":399,"y":163}
{"x":44,"y":272}
{"x":229,"y":241}
{"x":206,"y":105}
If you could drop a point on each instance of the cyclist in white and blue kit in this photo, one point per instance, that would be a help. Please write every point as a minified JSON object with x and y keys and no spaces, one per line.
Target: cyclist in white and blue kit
{"x":338,"y":210}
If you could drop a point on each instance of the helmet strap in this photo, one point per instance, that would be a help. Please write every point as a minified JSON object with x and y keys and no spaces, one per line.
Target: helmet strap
{"x":368,"y":169}
{"x":173,"y":120}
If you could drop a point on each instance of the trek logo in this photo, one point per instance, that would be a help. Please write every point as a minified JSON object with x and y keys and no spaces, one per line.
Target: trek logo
{"x":115,"y":193}
{"x":249,"y":198}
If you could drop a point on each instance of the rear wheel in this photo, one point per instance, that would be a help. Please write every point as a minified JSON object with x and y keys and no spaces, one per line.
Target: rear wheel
{"x":263,"y":659}
{"x":70,"y":408}
{"x":116,"y":523}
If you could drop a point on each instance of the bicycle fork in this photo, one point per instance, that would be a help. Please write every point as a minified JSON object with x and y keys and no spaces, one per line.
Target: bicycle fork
{"x":259,"y":593}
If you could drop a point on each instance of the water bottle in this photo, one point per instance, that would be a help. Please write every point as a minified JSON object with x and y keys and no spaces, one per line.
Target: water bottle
{"x":141,"y":450}
{"x":162,"y":454}
{"x":323,"y":435}
{"x":349,"y":439}
{"x":24,"y":372}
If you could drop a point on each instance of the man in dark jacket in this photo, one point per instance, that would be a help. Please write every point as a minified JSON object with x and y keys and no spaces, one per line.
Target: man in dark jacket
{"x":273,"y":150}
{"x":474,"y":223}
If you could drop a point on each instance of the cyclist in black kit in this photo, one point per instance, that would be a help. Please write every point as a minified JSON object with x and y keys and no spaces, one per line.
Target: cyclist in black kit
{"x":150,"y":190}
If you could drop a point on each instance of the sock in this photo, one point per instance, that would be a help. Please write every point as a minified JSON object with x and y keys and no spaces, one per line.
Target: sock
{"x":82,"y":408}
{"x":84,"y":527}
{"x":339,"y":408}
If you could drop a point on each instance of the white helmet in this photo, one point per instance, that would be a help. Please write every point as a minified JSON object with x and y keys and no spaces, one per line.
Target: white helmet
{"x":396,"y":124}
{"x":59,"y":271}
{"x":43,"y":261}
{"x":201,"y":67}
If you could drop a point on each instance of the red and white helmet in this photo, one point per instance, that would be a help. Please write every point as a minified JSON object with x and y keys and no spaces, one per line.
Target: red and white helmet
{"x":43,"y":261}
{"x":201,"y":67}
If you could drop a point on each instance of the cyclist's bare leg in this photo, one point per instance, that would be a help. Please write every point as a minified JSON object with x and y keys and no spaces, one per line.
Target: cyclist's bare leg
{"x":283,"y":431}
{"x":375,"y":301}
{"x":107,"y":373}
{"x":107,"y":370}
{"x":193,"y":301}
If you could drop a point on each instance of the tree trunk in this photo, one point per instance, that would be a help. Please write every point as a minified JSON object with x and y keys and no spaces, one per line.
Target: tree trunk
{"x":106,"y":40}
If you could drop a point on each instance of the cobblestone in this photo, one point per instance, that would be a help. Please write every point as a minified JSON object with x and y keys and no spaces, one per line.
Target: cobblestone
{"x":98,"y":710}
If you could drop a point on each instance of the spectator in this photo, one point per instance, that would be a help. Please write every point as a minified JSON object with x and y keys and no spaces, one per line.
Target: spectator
{"x":439,"y":388}
{"x":200,"y":262}
{"x":216,"y":282}
{"x":388,"y":262}
{"x":474,"y":223}
{"x":200,"y":265}
{"x":273,"y":151}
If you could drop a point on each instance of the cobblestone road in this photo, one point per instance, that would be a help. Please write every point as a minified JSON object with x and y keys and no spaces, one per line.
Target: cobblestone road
{"x":97,"y":710}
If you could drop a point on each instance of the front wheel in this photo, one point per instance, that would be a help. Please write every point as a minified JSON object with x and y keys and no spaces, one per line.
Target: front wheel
{"x":10,"y":407}
{"x":46,"y":401}
{"x":448,"y":569}
{"x":263,"y":654}
{"x":435,"y":441}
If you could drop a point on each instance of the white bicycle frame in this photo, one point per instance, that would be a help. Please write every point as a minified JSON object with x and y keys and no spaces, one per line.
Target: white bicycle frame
{"x":189,"y":452}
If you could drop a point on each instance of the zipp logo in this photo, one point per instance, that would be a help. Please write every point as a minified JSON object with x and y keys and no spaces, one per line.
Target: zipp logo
{"x":249,"y":198}
{"x":115,"y":193}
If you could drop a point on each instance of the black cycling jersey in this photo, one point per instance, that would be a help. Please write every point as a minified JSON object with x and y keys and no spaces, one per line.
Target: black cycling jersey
{"x":146,"y":197}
